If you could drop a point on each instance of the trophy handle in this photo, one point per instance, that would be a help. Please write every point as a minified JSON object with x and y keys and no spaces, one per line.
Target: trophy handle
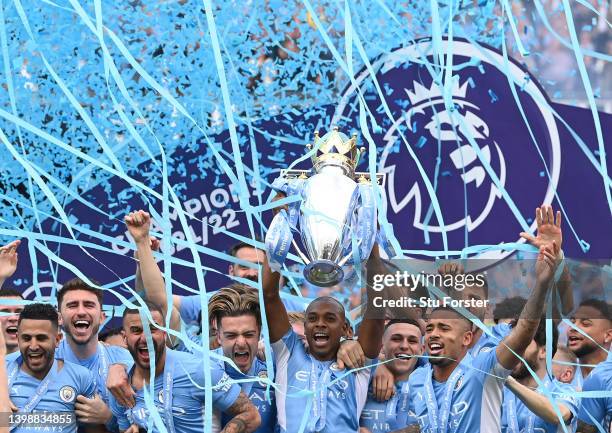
{"x":300,"y":253}
{"x":348,"y":256}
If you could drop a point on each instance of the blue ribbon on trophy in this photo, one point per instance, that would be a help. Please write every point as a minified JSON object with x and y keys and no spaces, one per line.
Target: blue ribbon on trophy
{"x":336,"y":205}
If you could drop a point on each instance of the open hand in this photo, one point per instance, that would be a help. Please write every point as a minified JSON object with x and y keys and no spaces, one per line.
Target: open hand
{"x":8,"y":260}
{"x":548,"y":228}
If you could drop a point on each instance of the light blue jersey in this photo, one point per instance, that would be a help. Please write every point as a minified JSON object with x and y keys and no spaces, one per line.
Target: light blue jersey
{"x":468,"y":402}
{"x":98,"y":364}
{"x":485,"y":342}
{"x":388,"y":416}
{"x":179,"y":391}
{"x":256,"y":391}
{"x":598,"y":409}
{"x":339,"y":397}
{"x":55,"y":394}
{"x":193,"y":338}
{"x":516,"y":417}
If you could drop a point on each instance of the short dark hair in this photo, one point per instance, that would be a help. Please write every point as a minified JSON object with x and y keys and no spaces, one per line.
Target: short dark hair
{"x":104,"y":335}
{"x":407,"y":321}
{"x":238,"y":246}
{"x":455,"y":312}
{"x":9,"y":292}
{"x":149,"y":305}
{"x":39,"y":311}
{"x":328,"y":298}
{"x":509,"y":308}
{"x":540,"y":336}
{"x":602,"y":306}
{"x":78,"y":284}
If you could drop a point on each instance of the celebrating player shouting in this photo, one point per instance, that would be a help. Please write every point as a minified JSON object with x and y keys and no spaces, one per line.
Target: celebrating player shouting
{"x":312,"y":389}
{"x":458,"y":393}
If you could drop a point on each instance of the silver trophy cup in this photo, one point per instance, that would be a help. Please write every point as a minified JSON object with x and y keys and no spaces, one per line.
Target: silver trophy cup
{"x":327,"y":216}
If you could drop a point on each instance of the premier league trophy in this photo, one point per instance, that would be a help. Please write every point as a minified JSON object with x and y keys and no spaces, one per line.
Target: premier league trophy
{"x":335,"y":211}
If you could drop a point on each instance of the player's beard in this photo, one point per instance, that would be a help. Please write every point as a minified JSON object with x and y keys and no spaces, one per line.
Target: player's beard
{"x":79,"y":340}
{"x":48,"y":358}
{"x":158,"y":353}
{"x":585,"y":349}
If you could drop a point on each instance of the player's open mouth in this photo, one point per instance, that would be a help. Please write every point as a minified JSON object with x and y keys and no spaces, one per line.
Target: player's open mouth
{"x":35,"y":356}
{"x":11,"y":330}
{"x":241,"y":357}
{"x":435,"y":349}
{"x":143,"y":352}
{"x":320,"y":338}
{"x":572,"y":340}
{"x":81,"y":326}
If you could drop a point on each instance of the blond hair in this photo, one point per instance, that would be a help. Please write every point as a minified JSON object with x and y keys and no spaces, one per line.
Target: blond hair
{"x":233,"y":301}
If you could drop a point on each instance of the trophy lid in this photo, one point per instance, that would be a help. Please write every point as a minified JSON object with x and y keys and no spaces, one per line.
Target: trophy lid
{"x":336,"y":148}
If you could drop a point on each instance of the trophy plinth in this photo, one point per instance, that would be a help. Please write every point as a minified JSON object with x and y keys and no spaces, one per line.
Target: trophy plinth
{"x":323,"y":273}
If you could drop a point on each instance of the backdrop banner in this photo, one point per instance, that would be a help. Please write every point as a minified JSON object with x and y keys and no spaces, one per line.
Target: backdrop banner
{"x":457,"y":179}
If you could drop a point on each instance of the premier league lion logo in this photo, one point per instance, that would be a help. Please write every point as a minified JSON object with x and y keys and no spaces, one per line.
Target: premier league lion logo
{"x":469,"y":143}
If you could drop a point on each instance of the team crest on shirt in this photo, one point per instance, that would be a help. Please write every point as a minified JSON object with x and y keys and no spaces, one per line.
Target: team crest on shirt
{"x":263,"y":375}
{"x":67,"y":393}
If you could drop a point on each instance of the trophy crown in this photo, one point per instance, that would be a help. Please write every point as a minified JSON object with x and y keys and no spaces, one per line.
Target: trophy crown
{"x":336,"y":148}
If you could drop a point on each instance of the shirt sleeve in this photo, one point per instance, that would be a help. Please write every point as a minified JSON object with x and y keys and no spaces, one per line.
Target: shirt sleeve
{"x":568,"y":399}
{"x":593,"y":406}
{"x":12,"y":357}
{"x":287,"y":343}
{"x":362,"y":382}
{"x":294,"y":303}
{"x":487,"y":365}
{"x":190,"y":308}
{"x":119,"y":355}
{"x":225,"y":393}
{"x":501,"y":331}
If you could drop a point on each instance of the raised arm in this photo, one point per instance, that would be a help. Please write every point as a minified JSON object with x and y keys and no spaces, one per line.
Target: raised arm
{"x":528,"y":322}
{"x":245,"y":416}
{"x":371,"y":330}
{"x":538,"y":403}
{"x":8,"y":261}
{"x":138,"y":224}
{"x":278,"y":320}
{"x":549,"y":231}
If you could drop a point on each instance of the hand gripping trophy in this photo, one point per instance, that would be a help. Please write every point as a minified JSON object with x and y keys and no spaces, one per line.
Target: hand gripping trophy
{"x":335,"y":211}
